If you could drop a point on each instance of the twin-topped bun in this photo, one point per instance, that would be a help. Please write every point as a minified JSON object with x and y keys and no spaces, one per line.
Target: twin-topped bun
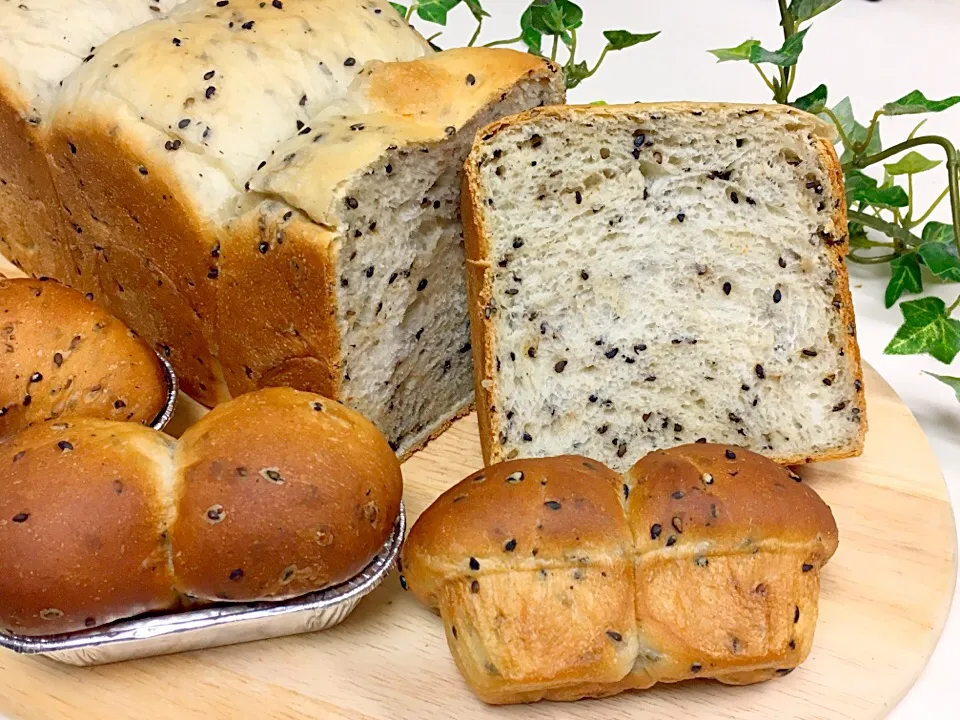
{"x":62,"y":355}
{"x":272,"y":495}
{"x":559,"y":579}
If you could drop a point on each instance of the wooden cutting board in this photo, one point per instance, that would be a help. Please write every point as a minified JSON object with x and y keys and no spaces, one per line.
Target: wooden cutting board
{"x":884,"y":602}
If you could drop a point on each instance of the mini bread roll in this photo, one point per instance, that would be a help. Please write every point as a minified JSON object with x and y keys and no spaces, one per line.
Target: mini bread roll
{"x":274,"y":494}
{"x":559,"y":579}
{"x":62,"y":355}
{"x":84,"y":507}
{"x":281,"y":492}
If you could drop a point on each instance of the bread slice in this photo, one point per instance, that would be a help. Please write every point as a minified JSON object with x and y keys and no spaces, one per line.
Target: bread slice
{"x":42,"y":42}
{"x":350,"y":264}
{"x":652,"y":275}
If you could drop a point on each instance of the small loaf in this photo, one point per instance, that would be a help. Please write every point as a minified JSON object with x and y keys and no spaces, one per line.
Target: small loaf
{"x":272,"y":495}
{"x":61,"y":355}
{"x":559,"y":579}
{"x":648,"y":275}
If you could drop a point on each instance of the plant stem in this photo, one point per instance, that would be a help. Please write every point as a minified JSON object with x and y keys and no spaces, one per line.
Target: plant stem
{"x":599,"y":62}
{"x":556,"y":46}
{"x":907,"y":221}
{"x":853,"y":257}
{"x":952,"y":170}
{"x":933,"y":207}
{"x":954,"y":306}
{"x":887,"y":228}
{"x":476,"y":34}
{"x":836,"y":121}
{"x":769,"y":84}
{"x":509,"y":41}
{"x":860,"y":147}
{"x":786,"y":74}
{"x":410,"y":11}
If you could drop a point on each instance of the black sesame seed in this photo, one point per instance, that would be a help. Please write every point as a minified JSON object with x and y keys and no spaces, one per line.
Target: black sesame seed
{"x":352,"y":203}
{"x":65,"y":446}
{"x":792,"y":645}
{"x":697,"y":667}
{"x":57,"y":359}
{"x":175,"y":41}
{"x":584,"y":275}
{"x":626,"y":491}
{"x":369,"y":271}
{"x":615,"y":636}
{"x":517,"y":243}
{"x":471,"y":80}
{"x":782,"y":263}
{"x":578,"y":196}
{"x":796,"y":614}
{"x":639,"y":138}
{"x":603,"y":429}
{"x":857,"y":385}
{"x":403,"y":583}
{"x":622,"y":450}
{"x":730,"y":455}
{"x":510,"y":546}
{"x":236,"y":574}
{"x":474,"y":587}
{"x":474,"y":564}
{"x":223,"y":3}
{"x":453,"y":628}
{"x":839,"y":406}
{"x":655,"y":531}
{"x":263,"y":247}
{"x":527,"y":437}
{"x":27,"y":400}
{"x":213,"y":274}
{"x":350,"y":62}
{"x":681,"y":217}
{"x":678,"y":495}
{"x":552,"y":505}
{"x":727,"y":287}
{"x":827,"y":381}
{"x":671,"y":541}
{"x":806,"y":567}
{"x":777,"y":295}
{"x":21,"y":517}
{"x":278,"y":5}
{"x":639,"y":348}
{"x":143,"y":170}
{"x":611,"y":353}
{"x":593,"y":398}
{"x":735,"y":198}
{"x":560,"y":366}
{"x":209,"y":75}
{"x":36,"y":377}
{"x":760,"y":372}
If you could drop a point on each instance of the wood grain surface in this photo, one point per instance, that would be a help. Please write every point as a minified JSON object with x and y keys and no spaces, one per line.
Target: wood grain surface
{"x":884,"y":601}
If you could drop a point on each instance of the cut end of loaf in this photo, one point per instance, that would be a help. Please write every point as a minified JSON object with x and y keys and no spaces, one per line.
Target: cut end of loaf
{"x":654,"y":275}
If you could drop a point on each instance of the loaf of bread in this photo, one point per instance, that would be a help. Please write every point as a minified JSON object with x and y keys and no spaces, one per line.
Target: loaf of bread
{"x":64,"y":356}
{"x":559,"y":579}
{"x":651,"y":275}
{"x":272,"y":495}
{"x":149,"y":172}
{"x":43,"y":41}
{"x":349,"y":265}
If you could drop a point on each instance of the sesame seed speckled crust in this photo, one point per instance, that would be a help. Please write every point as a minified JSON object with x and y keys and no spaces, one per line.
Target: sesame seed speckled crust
{"x":557,"y":580}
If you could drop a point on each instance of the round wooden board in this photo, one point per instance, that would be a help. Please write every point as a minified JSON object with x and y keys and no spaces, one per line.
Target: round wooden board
{"x":884,"y":601}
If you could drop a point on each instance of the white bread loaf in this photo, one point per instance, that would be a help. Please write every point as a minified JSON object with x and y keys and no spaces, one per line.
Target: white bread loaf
{"x":42,"y":42}
{"x":155,"y":137}
{"x":272,"y":495}
{"x":559,"y":579}
{"x":350,"y":264}
{"x":651,"y":275}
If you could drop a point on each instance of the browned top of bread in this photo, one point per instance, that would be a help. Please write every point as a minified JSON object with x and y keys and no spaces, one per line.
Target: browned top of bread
{"x":725,"y":495}
{"x":62,"y":355}
{"x":535,"y":513}
{"x":280,"y":492}
{"x":81,"y":525}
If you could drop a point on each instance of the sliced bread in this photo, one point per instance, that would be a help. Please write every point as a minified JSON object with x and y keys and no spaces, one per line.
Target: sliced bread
{"x":646,"y":276}
{"x":350,"y":265}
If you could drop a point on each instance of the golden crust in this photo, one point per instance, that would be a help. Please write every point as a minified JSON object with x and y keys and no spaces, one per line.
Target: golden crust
{"x":480,"y":280}
{"x":559,"y":579}
{"x":286,"y":521}
{"x":71,"y":359}
{"x":81,"y":525}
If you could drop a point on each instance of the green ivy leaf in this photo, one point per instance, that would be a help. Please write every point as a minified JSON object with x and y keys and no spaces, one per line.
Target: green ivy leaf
{"x":939,"y":232}
{"x":622,"y":39}
{"x":857,"y":235}
{"x":435,"y":11}
{"x":926,"y":329}
{"x":911,"y":164}
{"x":953,"y":382}
{"x":740,"y":52}
{"x":531,"y":36}
{"x":863,"y":188}
{"x":942,"y":263}
{"x":803,"y":10}
{"x":786,"y":56}
{"x":854,"y":130}
{"x":915,"y":103}
{"x":478,"y":12}
{"x":812,"y":102}
{"x":575,"y":74}
{"x":904,"y":277}
{"x":401,"y":9}
{"x":599,"y":102}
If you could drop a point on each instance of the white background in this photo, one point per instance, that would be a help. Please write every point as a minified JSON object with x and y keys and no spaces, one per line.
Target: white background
{"x":874,"y":52}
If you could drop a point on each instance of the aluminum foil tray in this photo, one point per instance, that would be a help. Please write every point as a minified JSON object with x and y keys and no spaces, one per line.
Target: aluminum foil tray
{"x":215,"y":626}
{"x":160,"y":422}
